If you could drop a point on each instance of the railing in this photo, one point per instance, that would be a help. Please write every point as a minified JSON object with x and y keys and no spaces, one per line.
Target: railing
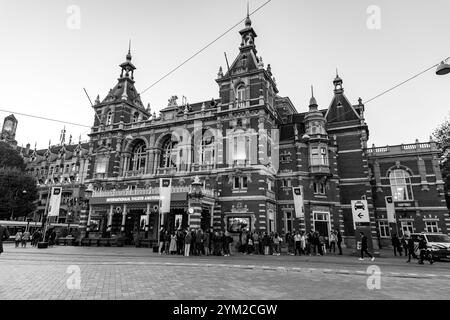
{"x":411,"y":147}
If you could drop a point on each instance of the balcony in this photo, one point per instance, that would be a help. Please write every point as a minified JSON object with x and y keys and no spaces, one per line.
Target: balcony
{"x":135,"y":173}
{"x":318,"y":166}
{"x":148,"y":191}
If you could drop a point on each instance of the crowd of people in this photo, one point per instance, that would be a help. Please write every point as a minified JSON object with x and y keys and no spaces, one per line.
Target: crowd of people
{"x":199,"y":242}
{"x":23,"y":236}
{"x":195,"y":242}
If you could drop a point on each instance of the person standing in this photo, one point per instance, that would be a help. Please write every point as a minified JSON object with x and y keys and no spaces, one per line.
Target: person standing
{"x":187,"y":244}
{"x":298,"y":243}
{"x":333,"y":239}
{"x":199,"y":242}
{"x":4,"y":235}
{"x":364,"y":247}
{"x":18,"y":238}
{"x":411,"y":249}
{"x":396,"y":244}
{"x":161,"y":240}
{"x":206,"y":238}
{"x":25,"y":238}
{"x":266,"y":243}
{"x":276,"y":244}
{"x":173,"y":244}
{"x":339,"y":241}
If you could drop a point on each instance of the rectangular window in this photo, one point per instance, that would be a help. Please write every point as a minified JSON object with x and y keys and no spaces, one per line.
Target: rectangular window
{"x":407,"y":227}
{"x":100,"y":166}
{"x":431,"y":226}
{"x":319,"y":188}
{"x":244,"y":182}
{"x":383,"y":227}
{"x":237,"y":183}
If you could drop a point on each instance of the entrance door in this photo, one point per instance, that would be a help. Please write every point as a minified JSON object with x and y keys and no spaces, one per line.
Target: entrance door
{"x":322,"y":223}
{"x":205,"y":223}
{"x":132,"y":225}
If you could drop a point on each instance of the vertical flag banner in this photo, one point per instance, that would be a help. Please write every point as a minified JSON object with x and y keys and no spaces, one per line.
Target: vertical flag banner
{"x":165,"y":192}
{"x":390,"y":209}
{"x":298,"y":202}
{"x":55,"y":201}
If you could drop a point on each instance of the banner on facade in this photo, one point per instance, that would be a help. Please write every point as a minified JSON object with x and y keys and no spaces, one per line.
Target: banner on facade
{"x":390,"y":209}
{"x":55,"y":202}
{"x":298,"y":202}
{"x":165,"y":193}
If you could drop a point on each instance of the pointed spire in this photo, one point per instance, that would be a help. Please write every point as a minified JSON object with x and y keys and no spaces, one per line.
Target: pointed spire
{"x":129,"y":51}
{"x":248,"y":21}
{"x":62,"y":138}
{"x":312,"y":101}
{"x":70,"y":139}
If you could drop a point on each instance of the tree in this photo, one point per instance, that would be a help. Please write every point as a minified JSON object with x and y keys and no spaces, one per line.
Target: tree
{"x":18,"y":193}
{"x":442,"y":136}
{"x":10,"y":158}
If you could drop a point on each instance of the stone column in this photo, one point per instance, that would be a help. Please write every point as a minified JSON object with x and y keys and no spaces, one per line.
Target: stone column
{"x":147,"y":220}
{"x":110,"y":218}
{"x":124,"y":218}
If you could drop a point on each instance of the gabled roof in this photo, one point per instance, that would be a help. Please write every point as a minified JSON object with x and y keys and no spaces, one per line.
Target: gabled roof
{"x":341,"y":109}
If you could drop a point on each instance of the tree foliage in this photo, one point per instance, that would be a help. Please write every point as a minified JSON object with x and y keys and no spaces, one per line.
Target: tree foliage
{"x":442,"y":136}
{"x":10,"y":158}
{"x":18,"y":191}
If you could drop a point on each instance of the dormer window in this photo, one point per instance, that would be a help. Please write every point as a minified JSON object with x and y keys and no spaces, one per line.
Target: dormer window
{"x":240,"y":96}
{"x":135,"y":117}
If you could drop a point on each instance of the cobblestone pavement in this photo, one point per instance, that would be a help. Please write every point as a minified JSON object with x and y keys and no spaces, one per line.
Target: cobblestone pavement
{"x":130,"y":273}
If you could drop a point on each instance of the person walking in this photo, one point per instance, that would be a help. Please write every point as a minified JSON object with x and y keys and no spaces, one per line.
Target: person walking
{"x":250,"y":243}
{"x":199,"y":242}
{"x":25,"y":237}
{"x":4,"y":235}
{"x":228,"y":241}
{"x":167,"y":240}
{"x":187,"y":244}
{"x":411,"y":249}
{"x":256,"y":242}
{"x":333,"y":240}
{"x":322,"y":245}
{"x":364,"y":247}
{"x":404,"y":242}
{"x":339,"y":241}
{"x":18,"y":238}
{"x":423,"y":250}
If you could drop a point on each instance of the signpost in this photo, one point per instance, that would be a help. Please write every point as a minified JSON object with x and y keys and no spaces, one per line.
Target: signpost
{"x":360,"y":210}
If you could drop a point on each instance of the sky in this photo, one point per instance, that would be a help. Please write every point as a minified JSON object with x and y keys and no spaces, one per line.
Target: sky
{"x":52,"y":49}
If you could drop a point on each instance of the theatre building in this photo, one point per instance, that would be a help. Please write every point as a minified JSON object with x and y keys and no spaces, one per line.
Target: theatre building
{"x":232,"y":162}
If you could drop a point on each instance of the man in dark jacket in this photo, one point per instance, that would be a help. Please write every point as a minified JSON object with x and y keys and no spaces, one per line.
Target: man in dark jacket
{"x":364,"y":247}
{"x":396,"y":244}
{"x":4,"y":235}
{"x":339,"y":241}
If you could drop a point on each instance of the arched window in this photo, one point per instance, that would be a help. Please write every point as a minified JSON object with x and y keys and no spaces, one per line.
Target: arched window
{"x":240,"y":96}
{"x":109,"y":117}
{"x":169,"y":154}
{"x":400,"y":181}
{"x":139,"y":157}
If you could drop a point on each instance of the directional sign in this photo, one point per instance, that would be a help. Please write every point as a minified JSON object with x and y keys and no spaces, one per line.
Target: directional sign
{"x":360,"y":211}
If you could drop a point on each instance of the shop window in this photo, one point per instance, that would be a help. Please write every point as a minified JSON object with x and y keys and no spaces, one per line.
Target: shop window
{"x":383,"y":227}
{"x":431,"y":226}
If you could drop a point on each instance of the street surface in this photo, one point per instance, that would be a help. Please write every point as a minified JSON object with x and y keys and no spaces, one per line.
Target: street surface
{"x":98,"y":273}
